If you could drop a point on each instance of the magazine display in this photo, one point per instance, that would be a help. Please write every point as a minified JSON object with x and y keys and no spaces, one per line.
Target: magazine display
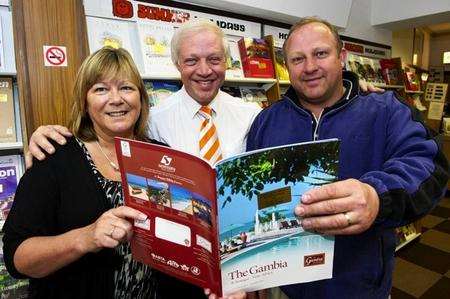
{"x":231,"y":227}
{"x":366,"y":68}
{"x":154,"y":40}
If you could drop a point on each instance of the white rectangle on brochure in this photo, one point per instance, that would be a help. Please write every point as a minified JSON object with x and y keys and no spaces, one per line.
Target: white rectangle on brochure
{"x":172,"y":231}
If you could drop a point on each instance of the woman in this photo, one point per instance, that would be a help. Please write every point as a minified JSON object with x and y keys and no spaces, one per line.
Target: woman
{"x":67,"y":229}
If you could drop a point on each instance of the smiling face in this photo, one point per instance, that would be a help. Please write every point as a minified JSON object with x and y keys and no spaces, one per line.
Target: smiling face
{"x":113,"y":106}
{"x":202,"y":65}
{"x":314,"y":65}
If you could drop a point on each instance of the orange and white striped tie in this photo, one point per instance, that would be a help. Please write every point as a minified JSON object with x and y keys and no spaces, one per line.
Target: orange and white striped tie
{"x":209,"y":141}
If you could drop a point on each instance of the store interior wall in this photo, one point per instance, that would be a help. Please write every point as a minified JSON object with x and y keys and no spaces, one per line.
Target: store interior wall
{"x":402,"y":45}
{"x":438,"y":45}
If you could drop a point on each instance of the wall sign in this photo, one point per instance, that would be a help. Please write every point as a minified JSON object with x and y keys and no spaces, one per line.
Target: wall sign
{"x":55,"y":56}
{"x":279,"y":34}
{"x":143,"y":11}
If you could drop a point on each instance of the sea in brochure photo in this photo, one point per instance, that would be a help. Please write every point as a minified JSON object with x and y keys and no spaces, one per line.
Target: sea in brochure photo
{"x":261,"y":241}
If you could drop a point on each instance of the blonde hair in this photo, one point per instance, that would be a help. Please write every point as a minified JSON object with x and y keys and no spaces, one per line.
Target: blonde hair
{"x":105,"y":63}
{"x":308,"y":20}
{"x":192,"y":27}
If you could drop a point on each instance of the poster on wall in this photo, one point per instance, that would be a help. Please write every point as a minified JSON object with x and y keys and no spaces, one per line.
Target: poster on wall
{"x":106,"y":32}
{"x":154,"y":41}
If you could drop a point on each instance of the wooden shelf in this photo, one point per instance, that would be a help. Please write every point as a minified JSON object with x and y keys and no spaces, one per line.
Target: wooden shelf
{"x":409,"y":239}
{"x":414,"y":91}
{"x":11,"y":145}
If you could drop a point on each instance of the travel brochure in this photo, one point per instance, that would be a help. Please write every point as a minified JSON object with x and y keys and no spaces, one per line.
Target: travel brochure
{"x":232,"y":226}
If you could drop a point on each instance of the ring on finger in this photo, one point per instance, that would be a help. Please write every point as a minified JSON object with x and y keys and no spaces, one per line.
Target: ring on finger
{"x":349,"y":220}
{"x":111,"y":232}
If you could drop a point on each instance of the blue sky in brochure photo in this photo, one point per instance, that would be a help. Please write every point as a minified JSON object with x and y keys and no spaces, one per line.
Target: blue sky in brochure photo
{"x":242,"y":210}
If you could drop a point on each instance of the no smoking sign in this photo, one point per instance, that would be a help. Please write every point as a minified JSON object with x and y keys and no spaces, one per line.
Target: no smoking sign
{"x":55,"y":56}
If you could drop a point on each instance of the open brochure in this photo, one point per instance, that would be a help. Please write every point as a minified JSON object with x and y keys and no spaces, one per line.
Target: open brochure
{"x":231,"y":227}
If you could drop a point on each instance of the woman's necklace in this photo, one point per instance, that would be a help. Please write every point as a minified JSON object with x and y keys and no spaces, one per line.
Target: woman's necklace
{"x":113,"y":165}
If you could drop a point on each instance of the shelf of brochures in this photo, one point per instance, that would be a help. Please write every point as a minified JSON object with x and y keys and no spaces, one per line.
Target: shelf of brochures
{"x":11,"y":146}
{"x":414,"y":91}
{"x":409,"y":239}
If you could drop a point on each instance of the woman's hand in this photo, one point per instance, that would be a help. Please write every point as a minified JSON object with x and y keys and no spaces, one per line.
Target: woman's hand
{"x":110,"y":229}
{"x":235,"y":295}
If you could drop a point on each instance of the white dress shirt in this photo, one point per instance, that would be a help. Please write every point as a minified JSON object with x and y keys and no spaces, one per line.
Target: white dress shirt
{"x":176,"y":122}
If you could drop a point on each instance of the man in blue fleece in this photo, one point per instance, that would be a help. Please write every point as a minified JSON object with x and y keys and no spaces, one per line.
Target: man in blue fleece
{"x":391,"y":173}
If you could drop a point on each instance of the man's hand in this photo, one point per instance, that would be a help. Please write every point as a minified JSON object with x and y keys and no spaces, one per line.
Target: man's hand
{"x":341,"y":208}
{"x":369,"y":87}
{"x":39,"y":142}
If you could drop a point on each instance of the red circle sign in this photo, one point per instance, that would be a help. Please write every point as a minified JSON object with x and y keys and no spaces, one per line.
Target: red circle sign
{"x":55,"y":56}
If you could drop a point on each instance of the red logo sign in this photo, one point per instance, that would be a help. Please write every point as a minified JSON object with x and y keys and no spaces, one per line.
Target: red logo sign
{"x":314,"y":259}
{"x":122,"y":9}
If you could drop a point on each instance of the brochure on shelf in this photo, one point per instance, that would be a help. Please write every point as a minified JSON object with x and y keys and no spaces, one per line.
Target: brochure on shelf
{"x":234,"y":64}
{"x":231,"y":227}
{"x":159,"y":91}
{"x":154,"y":41}
{"x":11,"y":288}
{"x":7,"y":115}
{"x":254,"y":94}
{"x":255,"y":56}
{"x":10,"y":173}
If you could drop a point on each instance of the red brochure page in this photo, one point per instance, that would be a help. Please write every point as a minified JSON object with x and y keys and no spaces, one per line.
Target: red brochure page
{"x":177,"y":192}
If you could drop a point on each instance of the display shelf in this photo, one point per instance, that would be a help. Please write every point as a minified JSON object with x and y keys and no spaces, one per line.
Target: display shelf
{"x":11,"y":146}
{"x":9,"y":74}
{"x":414,"y":91}
{"x":284,"y":82}
{"x":387,"y":86}
{"x":234,"y":80}
{"x":251,"y":80}
{"x":162,"y":78}
{"x":409,"y":239}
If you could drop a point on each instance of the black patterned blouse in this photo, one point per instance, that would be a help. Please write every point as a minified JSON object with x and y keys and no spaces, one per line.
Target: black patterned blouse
{"x":133,"y":279}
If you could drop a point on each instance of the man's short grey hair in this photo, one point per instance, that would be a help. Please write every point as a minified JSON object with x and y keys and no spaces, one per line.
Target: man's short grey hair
{"x":191,"y":27}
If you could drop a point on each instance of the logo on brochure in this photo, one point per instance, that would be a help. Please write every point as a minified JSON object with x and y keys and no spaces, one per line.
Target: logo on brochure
{"x":314,"y":259}
{"x":195,"y":270}
{"x":165,"y":164}
{"x":166,"y":160}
